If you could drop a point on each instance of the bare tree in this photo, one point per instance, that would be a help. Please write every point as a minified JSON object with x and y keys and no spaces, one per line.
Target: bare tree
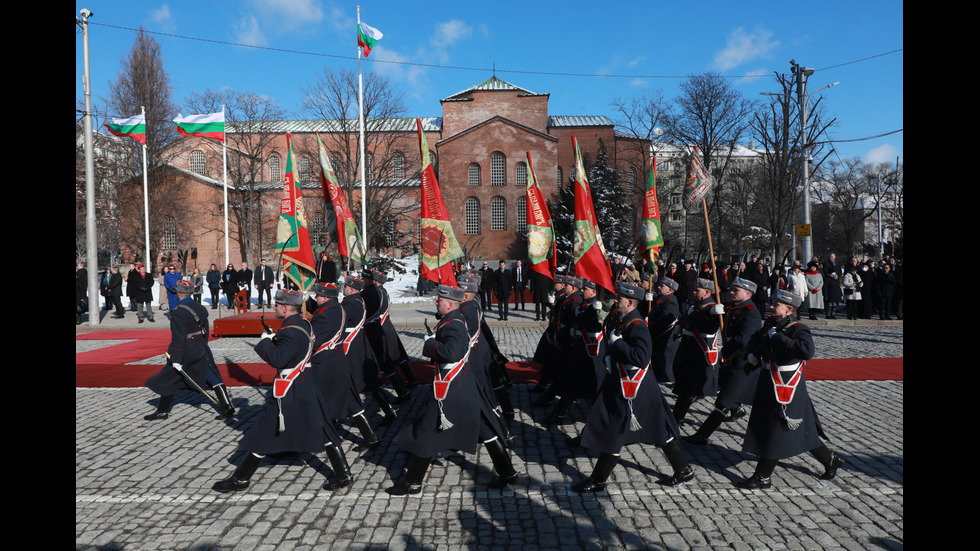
{"x":143,"y":82}
{"x":848,"y":201}
{"x":251,"y":132}
{"x":390,"y":144}
{"x":777,"y":195}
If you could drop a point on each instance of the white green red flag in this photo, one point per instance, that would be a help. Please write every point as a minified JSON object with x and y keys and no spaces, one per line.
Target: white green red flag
{"x":292,"y":233}
{"x":439,"y":246}
{"x":211,"y":125}
{"x":132,"y":127}
{"x":591,"y":261}
{"x":366,"y":37}
{"x":541,"y":247}
{"x":698,"y":181}
{"x":651,"y":238}
{"x":348,"y":236}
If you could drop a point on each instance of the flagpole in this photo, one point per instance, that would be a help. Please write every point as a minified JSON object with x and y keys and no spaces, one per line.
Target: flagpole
{"x":224,"y":165}
{"x":360,"y":116}
{"x":714,"y":272}
{"x":146,"y":202}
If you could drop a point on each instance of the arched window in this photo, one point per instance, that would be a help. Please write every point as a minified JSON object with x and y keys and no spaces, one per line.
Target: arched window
{"x":474,"y":174}
{"x":521,"y":174}
{"x":198,"y":163}
{"x":472,"y":216}
{"x":498,"y":214}
{"x":170,"y":234}
{"x":398,"y":165}
{"x":304,"y":170}
{"x":275,"y":173}
{"x":317,"y":235}
{"x":522,"y":215}
{"x":631,"y":180}
{"x":561,"y":177}
{"x":498,"y":172}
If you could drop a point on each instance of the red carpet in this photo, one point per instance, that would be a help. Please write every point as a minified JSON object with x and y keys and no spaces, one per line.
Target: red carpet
{"x":106,"y":367}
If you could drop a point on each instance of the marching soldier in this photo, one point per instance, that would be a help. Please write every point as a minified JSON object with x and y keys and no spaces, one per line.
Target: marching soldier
{"x":583,"y":370}
{"x":495,"y":363}
{"x":735,"y":385}
{"x":631,"y":408}
{"x":783,"y":422}
{"x":549,"y":340}
{"x":360,"y":356}
{"x":190,"y":364}
{"x":663,"y":319}
{"x":294,"y":417}
{"x":455,"y":415}
{"x":381,"y":333}
{"x":694,"y":366}
{"x":330,"y":362}
{"x":556,"y":363}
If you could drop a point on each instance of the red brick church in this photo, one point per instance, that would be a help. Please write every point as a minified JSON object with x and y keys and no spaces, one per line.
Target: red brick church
{"x":478,"y":147}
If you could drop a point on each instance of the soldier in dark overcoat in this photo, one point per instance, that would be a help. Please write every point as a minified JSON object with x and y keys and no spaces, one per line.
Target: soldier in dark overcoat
{"x":557,"y":362}
{"x":582,"y":369}
{"x":330,"y":363}
{"x":549,"y":340}
{"x":360,"y":356}
{"x":735,"y":385}
{"x":188,"y":353}
{"x":695,"y":365}
{"x":783,"y":422}
{"x":663,"y":320}
{"x":631,"y":408}
{"x":294,"y":418}
{"x":382,"y":336}
{"x":454,"y":416}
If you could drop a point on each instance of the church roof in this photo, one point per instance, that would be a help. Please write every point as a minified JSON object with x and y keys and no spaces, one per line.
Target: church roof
{"x":493,"y":84}
{"x":579,"y":120}
{"x":398,"y":124}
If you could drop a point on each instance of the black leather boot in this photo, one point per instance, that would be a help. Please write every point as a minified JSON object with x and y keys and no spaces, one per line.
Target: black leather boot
{"x":700,"y":438}
{"x":546,"y":398}
{"x":762,"y":478}
{"x":557,"y":415}
{"x":412,"y":483}
{"x":371,"y":440}
{"x":681,"y":406}
{"x":682,"y":469}
{"x":224,"y":402}
{"x":342,"y":477}
{"x":503,"y":398}
{"x":506,"y":474}
{"x":401,"y":389}
{"x":240,"y":479}
{"x":596,"y":482}
{"x":163,"y":409}
{"x":410,"y":379}
{"x":830,"y":461}
{"x":382,"y":398}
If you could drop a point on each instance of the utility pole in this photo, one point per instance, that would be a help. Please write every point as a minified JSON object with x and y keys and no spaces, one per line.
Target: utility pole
{"x":801,"y":77}
{"x":90,"y":233}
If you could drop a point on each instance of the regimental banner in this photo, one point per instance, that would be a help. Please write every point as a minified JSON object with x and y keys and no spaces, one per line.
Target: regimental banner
{"x":292,"y":233}
{"x":540,"y":233}
{"x":439,"y":246}
{"x":651,"y":236}
{"x":698,"y":181}
{"x":591,"y":261}
{"x":349,"y":242}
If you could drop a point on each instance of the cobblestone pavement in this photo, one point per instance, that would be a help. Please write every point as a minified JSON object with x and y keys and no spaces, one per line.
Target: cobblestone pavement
{"x":143,"y":485}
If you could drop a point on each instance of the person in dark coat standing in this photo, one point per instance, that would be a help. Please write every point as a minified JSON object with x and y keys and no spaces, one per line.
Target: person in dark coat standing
{"x":486,"y":286}
{"x":662,"y":321}
{"x":244,"y":278}
{"x":454,"y":416}
{"x":783,"y":422}
{"x":541,"y":287}
{"x":833,"y":295}
{"x":695,"y":371}
{"x":213,"y":278}
{"x":188,"y":357}
{"x":735,"y":385}
{"x":115,"y":293}
{"x":264,"y":278}
{"x":519,"y":276}
{"x":630,"y":408}
{"x":885,"y":283}
{"x":294,"y":418}
{"x":229,"y":284}
{"x":330,"y":363}
{"x":502,"y":286}
{"x":143,"y":294}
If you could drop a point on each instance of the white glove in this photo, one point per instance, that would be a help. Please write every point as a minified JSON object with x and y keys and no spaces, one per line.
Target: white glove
{"x":178,"y":367}
{"x":718,"y":309}
{"x":268,"y":334}
{"x":772,"y":331}
{"x":597,"y":305}
{"x":648,"y":297}
{"x":752,"y":359}
{"x":551,"y":298}
{"x":613,"y":337}
{"x":428,"y":338}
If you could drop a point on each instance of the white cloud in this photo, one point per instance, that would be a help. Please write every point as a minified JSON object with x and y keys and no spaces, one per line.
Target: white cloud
{"x":450,"y":32}
{"x":743,"y":47}
{"x":162,"y":15}
{"x":881,"y":154}
{"x":248,"y":32}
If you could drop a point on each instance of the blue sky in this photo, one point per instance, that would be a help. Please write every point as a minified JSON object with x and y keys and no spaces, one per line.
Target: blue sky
{"x":585,"y":54}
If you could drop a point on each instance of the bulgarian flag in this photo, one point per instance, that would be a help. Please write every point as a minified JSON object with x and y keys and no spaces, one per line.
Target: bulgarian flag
{"x":540,"y":233}
{"x":348,"y":237}
{"x":367,"y":36}
{"x":651,"y":237}
{"x":591,"y":261}
{"x":207,"y":126}
{"x":133,"y":127}
{"x":292,"y":233}
{"x":439,"y":246}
